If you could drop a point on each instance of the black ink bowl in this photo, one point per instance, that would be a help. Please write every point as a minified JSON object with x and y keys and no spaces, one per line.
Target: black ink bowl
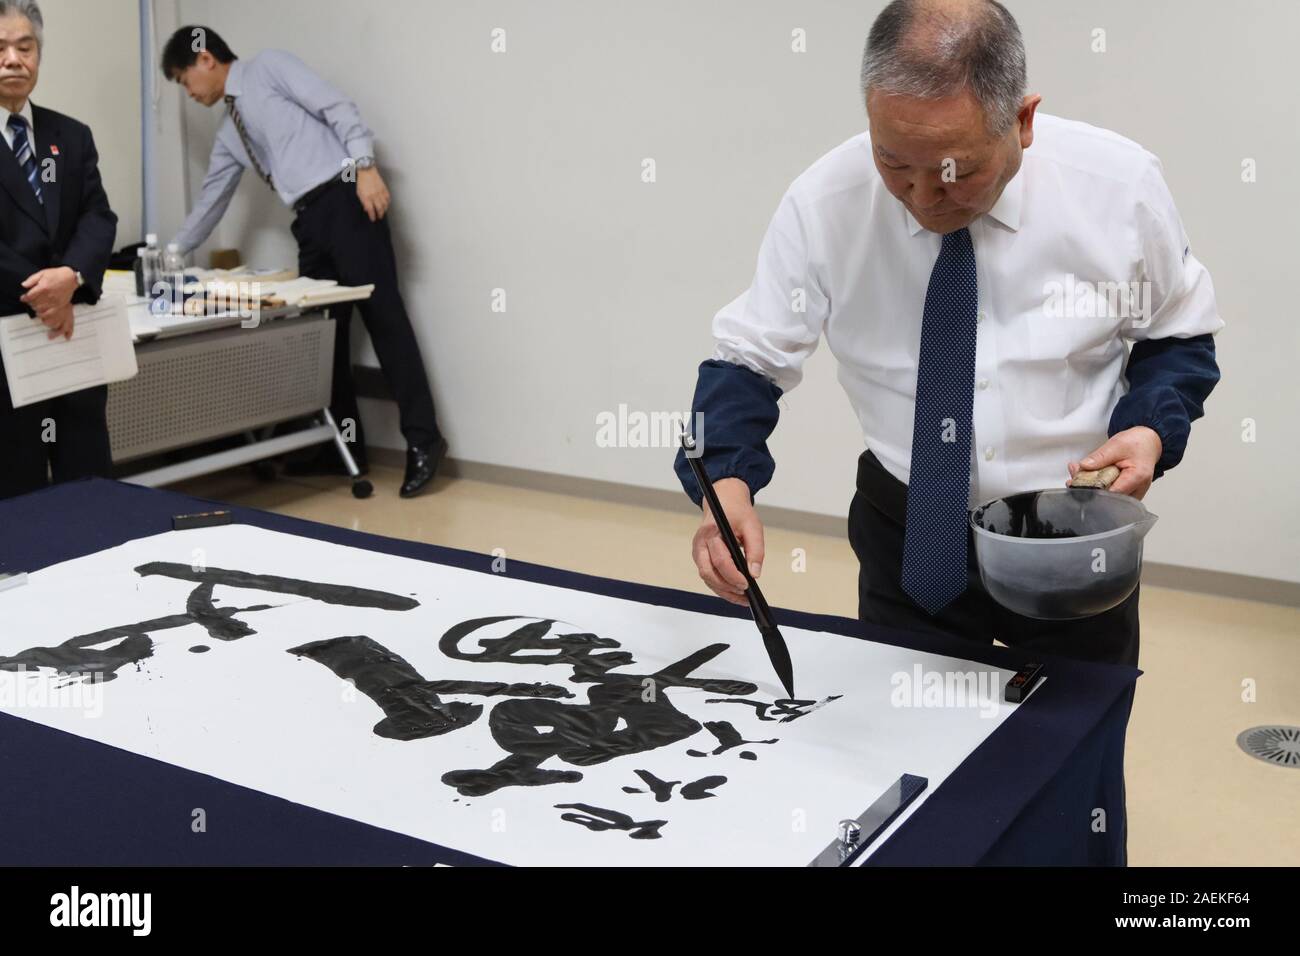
{"x":1061,"y":553}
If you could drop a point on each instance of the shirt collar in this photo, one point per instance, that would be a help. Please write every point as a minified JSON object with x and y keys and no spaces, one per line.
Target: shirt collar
{"x":25,"y":113}
{"x":235,"y":78}
{"x":1006,"y":210}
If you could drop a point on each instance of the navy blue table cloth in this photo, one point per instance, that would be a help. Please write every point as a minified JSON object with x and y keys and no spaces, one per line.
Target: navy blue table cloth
{"x":1028,"y":795}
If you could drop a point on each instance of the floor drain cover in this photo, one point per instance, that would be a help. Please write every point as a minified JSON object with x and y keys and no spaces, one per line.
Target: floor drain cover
{"x":1277,"y":745}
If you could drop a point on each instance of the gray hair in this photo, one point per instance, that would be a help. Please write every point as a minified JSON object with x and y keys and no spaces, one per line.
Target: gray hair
{"x":29,"y":9}
{"x":920,"y":49}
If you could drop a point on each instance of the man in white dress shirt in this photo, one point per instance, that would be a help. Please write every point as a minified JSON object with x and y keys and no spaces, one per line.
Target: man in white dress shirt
{"x":980,"y":297}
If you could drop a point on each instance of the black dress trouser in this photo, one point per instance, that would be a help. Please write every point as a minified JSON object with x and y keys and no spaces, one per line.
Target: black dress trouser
{"x":63,"y":438}
{"x":337,"y":240}
{"x":876,"y":525}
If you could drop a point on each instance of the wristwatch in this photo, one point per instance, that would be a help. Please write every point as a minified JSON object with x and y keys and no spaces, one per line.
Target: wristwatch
{"x":365,"y":162}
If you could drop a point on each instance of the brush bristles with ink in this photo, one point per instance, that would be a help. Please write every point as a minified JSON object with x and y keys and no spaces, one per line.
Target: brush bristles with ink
{"x":777,"y":652}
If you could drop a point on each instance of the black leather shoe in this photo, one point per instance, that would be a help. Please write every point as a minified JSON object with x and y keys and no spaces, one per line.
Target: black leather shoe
{"x":326,"y":461}
{"x":421,"y":465}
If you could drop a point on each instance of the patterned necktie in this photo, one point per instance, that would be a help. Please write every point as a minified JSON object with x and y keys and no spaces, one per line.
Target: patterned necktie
{"x":23,"y":153}
{"x":243,"y":136}
{"x":934,"y":546}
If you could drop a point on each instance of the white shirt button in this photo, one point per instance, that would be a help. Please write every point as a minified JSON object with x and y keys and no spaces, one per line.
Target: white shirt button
{"x":983,"y":383}
{"x":980,"y":316}
{"x":988,"y":453}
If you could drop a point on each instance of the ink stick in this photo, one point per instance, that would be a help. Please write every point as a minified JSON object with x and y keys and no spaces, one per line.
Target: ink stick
{"x":1021,"y":683}
{"x":203,"y":519}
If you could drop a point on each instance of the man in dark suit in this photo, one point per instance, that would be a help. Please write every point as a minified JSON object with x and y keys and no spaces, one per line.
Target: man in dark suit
{"x":56,"y":236}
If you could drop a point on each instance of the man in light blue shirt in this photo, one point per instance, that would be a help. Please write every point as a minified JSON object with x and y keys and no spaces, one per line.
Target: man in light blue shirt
{"x":296,"y":122}
{"x":307,"y":142}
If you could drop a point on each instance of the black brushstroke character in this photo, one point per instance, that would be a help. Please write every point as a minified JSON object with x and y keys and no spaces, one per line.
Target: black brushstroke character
{"x":411,"y":705}
{"x":701,"y":789}
{"x":663,"y":789}
{"x":728,"y":738}
{"x":783,"y":709}
{"x":79,"y":655}
{"x":596,"y":818}
{"x":534,"y":731}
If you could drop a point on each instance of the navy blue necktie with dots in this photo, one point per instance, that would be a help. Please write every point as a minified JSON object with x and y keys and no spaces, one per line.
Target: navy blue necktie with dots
{"x":934,"y":545}
{"x":23,"y":153}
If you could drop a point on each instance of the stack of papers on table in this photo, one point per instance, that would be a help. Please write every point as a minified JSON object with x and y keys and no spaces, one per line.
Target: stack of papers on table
{"x":276,"y":289}
{"x":243,"y":274}
{"x":306,"y":292}
{"x":119,"y":282}
{"x":146,"y":324}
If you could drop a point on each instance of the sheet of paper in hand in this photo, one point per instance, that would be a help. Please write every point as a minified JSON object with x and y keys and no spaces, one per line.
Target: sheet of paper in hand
{"x":523,"y":723}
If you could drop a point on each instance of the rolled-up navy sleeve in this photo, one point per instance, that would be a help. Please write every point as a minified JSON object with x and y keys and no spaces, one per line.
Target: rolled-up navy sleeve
{"x":763,"y":338}
{"x":736,"y":410}
{"x":1169,"y":380}
{"x":1172,"y":366}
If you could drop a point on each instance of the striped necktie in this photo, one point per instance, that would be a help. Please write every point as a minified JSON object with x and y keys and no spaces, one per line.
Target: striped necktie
{"x":243,"y":137}
{"x":23,"y":153}
{"x":934,"y":543}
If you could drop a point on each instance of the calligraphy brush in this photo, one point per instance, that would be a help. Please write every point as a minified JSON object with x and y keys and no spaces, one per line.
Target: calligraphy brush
{"x":777,"y":652}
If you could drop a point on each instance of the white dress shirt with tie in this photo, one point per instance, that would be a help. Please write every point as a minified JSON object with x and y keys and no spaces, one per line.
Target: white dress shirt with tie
{"x":1088,"y":211}
{"x":302,"y":129}
{"x":26,"y":114}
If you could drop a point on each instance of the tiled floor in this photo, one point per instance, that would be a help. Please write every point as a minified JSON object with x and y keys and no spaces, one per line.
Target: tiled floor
{"x":1193,"y":797}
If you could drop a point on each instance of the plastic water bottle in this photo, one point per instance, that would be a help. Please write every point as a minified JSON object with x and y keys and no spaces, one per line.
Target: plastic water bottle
{"x":173,"y":274}
{"x":138,"y":268}
{"x":150,"y":265}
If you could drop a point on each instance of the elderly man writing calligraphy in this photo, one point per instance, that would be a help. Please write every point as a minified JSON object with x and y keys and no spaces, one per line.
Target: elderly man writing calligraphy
{"x":931,"y":252}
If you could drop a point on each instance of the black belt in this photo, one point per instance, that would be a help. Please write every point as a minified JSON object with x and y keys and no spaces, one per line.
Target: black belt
{"x":885,"y":492}
{"x":309,"y":197}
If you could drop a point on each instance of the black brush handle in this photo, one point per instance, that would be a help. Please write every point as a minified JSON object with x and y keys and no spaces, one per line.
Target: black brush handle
{"x":777,"y":652}
{"x":757,"y":605}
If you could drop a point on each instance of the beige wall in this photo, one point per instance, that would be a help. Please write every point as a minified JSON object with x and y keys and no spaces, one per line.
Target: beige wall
{"x":521,"y":171}
{"x":90,"y":69}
